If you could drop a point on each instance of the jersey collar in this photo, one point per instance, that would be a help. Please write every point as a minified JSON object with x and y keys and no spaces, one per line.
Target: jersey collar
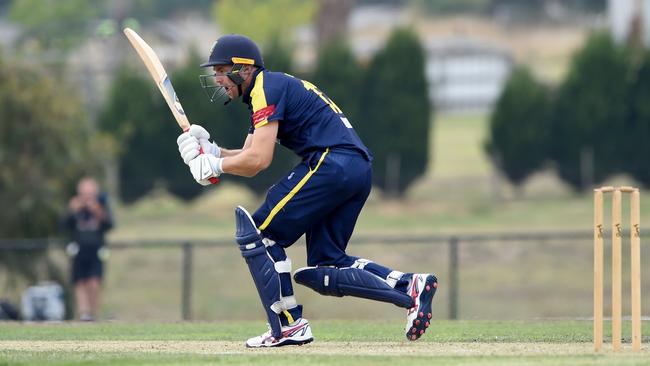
{"x":246,"y":98}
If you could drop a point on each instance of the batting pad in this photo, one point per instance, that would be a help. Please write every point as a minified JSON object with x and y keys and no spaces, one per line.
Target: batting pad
{"x":348,"y":281}
{"x":261,"y":266}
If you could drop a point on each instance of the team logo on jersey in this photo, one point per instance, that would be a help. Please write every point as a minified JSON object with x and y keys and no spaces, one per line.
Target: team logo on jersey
{"x":263,"y":114}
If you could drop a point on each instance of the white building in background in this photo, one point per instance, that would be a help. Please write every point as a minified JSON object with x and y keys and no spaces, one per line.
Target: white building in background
{"x":621,"y":14}
{"x":465,"y":75}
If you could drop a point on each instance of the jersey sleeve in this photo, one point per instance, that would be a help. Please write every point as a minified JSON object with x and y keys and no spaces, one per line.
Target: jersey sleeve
{"x":268,"y":102}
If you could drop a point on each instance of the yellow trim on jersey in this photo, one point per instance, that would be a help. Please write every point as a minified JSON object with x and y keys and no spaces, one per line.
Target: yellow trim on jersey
{"x":289,"y":317}
{"x":292,"y":193}
{"x":242,"y":60}
{"x":266,"y":122}
{"x":258,"y":98}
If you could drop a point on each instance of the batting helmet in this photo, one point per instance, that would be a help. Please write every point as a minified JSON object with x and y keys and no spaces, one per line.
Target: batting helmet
{"x":233,"y":49}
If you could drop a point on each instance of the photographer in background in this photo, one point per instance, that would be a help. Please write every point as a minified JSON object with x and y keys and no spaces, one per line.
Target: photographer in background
{"x":88,"y":219}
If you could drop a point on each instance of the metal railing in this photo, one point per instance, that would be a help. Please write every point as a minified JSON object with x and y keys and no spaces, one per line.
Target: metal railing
{"x":453,"y":243}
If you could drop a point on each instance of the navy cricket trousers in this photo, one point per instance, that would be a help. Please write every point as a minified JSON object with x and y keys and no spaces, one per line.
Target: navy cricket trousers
{"x":320,"y":197}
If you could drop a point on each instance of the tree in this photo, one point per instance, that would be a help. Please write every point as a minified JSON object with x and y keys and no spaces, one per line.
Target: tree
{"x":397,"y":113}
{"x":339,"y":75}
{"x":263,"y":20}
{"x":636,"y":148}
{"x":589,"y":113}
{"x":56,"y":24}
{"x":156,"y":9}
{"x":45,"y":147}
{"x":277,"y":55}
{"x":133,"y":115}
{"x":519,"y":129}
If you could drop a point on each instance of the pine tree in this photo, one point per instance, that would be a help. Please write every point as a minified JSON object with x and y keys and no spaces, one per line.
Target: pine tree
{"x":133,"y":115}
{"x":590,"y":113}
{"x":397,"y":113}
{"x":519,"y":129}
{"x":339,"y":76}
{"x":636,"y":148}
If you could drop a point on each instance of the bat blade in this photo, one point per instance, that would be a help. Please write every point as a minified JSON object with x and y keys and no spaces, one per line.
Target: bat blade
{"x":159,"y":75}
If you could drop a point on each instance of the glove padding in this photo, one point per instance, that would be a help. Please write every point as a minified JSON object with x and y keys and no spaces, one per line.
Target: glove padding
{"x":204,"y":167}
{"x":193,"y":140}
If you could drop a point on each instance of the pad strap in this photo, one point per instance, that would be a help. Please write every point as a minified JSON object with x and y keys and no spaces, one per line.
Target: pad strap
{"x":393,"y":277}
{"x":285,"y":303}
{"x":283,"y":266}
{"x":360,"y":263}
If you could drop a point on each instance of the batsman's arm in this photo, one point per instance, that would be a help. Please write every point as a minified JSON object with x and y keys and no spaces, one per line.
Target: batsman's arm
{"x":232,"y":152}
{"x":257,"y":153}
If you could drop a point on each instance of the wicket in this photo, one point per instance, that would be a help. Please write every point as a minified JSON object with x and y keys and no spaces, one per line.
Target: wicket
{"x":635,"y":266}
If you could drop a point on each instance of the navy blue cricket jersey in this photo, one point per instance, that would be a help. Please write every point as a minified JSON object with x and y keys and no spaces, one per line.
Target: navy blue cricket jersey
{"x":323,"y":195}
{"x":308,"y":120}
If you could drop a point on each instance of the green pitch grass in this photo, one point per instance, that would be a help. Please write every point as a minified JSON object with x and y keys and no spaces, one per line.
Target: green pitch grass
{"x":549,"y":342}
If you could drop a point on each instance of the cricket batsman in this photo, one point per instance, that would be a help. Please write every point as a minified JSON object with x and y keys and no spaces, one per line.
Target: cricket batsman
{"x":321,"y":197}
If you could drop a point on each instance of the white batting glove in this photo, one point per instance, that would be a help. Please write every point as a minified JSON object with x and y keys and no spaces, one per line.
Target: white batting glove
{"x":203,"y":136}
{"x":204,"y":167}
{"x":188,"y":146}
{"x":191,"y":142}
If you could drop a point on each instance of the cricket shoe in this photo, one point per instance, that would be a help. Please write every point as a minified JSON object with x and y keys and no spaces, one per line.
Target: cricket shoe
{"x":418,"y":318}
{"x":297,"y":334}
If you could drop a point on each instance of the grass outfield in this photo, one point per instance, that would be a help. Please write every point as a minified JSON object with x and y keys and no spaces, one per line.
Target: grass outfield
{"x":337,"y":343}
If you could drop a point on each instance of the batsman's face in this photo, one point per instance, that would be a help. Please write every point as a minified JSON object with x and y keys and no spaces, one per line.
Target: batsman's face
{"x":221,"y":79}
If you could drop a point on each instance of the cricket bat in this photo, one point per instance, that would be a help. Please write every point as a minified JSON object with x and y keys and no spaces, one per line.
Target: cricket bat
{"x":160,"y":77}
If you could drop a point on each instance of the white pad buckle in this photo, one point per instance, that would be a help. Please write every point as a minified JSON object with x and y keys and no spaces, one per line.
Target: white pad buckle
{"x":283,"y":266}
{"x":285,"y":303}
{"x":393,"y":277}
{"x":360,"y":263}
{"x":268,"y":242}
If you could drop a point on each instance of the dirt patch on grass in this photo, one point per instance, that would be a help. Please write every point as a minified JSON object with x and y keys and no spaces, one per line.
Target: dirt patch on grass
{"x":322,"y":348}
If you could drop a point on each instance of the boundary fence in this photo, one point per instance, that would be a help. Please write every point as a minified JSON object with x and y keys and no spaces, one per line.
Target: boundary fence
{"x":453,"y":243}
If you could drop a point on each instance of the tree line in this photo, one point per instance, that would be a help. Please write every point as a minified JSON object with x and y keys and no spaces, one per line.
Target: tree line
{"x":592,"y":126}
